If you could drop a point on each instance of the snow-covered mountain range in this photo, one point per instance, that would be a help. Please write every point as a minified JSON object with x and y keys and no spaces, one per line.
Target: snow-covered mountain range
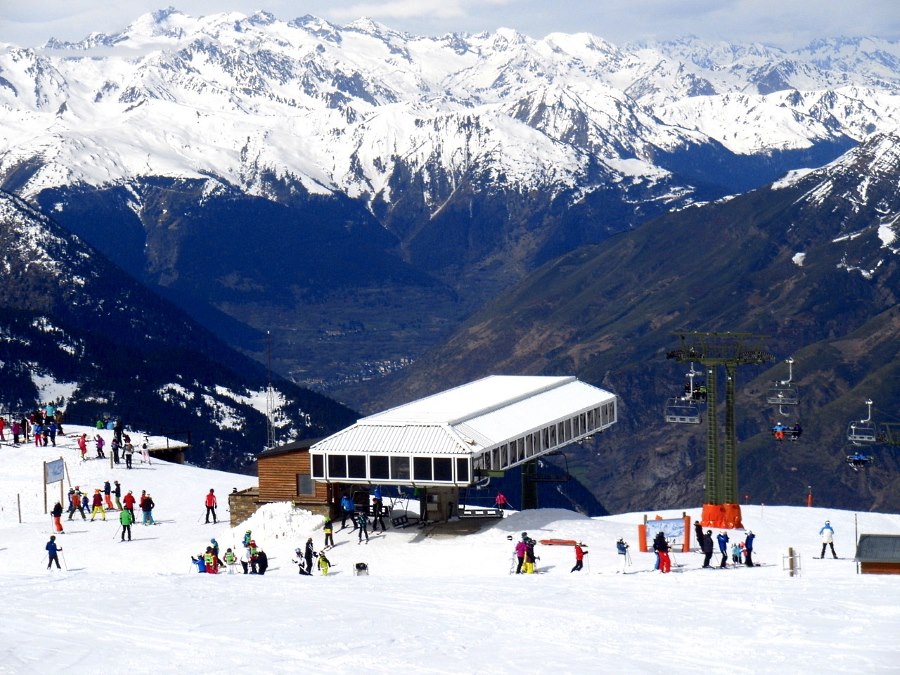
{"x":248,"y":101}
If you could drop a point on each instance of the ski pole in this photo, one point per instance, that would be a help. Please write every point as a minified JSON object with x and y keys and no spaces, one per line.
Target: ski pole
{"x":117,"y":532}
{"x":65,"y":565}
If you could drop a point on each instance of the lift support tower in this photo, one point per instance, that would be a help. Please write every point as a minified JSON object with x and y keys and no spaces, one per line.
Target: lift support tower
{"x":721,"y":507}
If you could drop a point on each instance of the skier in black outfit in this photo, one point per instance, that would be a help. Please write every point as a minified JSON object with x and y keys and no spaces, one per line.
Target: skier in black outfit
{"x":362,"y":522}
{"x":309,"y":553}
{"x":748,"y":549}
{"x":698,"y":533}
{"x":722,"y":538}
{"x":52,"y":554}
{"x":707,"y":548}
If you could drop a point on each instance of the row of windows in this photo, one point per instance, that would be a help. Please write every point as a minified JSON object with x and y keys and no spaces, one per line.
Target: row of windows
{"x":548,"y":438}
{"x":385,"y":468}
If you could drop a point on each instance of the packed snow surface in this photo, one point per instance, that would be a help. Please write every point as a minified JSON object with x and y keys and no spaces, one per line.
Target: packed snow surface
{"x":433,"y":603}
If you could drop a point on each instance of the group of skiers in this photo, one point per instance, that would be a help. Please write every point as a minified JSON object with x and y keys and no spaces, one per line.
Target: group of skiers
{"x":101,"y":502}
{"x":360,"y":519}
{"x":43,"y":425}
{"x":253,"y":559}
{"x":741,"y":553}
{"x":525,"y":556}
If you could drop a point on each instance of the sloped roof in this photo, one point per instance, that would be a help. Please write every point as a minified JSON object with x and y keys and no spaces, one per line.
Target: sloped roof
{"x":878,"y":548}
{"x":468,"y":419}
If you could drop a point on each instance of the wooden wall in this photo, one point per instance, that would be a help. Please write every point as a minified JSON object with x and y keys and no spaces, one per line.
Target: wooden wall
{"x":278,"y":479}
{"x":879,"y":568}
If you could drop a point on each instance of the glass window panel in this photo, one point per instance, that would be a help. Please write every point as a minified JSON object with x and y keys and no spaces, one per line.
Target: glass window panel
{"x":337,"y":466}
{"x":305,"y":485}
{"x":318,"y":466}
{"x":443,"y":469}
{"x":462,"y":470}
{"x":422,"y":468}
{"x":356,"y":466}
{"x":380,"y":467}
{"x":399,"y":468}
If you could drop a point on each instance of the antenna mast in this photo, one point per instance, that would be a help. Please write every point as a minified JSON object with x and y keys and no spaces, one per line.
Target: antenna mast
{"x":270,"y":397}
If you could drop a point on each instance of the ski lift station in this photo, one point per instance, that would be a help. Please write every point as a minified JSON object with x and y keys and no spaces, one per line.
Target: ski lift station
{"x":462,"y":436}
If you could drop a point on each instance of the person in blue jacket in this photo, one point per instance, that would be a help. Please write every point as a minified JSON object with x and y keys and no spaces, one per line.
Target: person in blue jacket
{"x":52,"y":553}
{"x":748,"y":549}
{"x":347,"y":510}
{"x":722,"y":538}
{"x":827,"y":534}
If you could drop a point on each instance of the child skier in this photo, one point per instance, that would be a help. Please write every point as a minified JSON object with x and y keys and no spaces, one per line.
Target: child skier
{"x":329,"y":533}
{"x":579,"y":557}
{"x":324,"y":564}
{"x":52,"y":554}
{"x":622,"y":552}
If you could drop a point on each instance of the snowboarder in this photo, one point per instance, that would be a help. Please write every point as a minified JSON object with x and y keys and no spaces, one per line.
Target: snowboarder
{"x":622,"y":552}
{"x":53,"y":552}
{"x":707,"y":548}
{"x":126,"y":518}
{"x":748,"y":548}
{"x":579,"y":557}
{"x":57,"y":514}
{"x":722,"y":538}
{"x":211,"y":506}
{"x":827,"y":534}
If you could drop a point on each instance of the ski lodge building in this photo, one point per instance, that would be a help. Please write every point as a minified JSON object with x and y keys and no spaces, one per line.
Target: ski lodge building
{"x":436,"y":446}
{"x":459,"y":437}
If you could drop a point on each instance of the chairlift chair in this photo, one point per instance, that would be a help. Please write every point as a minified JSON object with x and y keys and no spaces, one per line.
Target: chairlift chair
{"x":863,"y":431}
{"x":681,"y":410}
{"x":783,"y":392}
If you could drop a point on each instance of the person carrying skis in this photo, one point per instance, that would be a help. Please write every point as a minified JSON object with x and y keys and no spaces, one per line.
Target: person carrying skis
{"x":211,"y":506}
{"x":722,"y":539}
{"x":126,"y":518}
{"x":97,"y":505}
{"x":579,"y":557}
{"x":748,"y":548}
{"x":622,"y":552}
{"x":57,"y":515}
{"x":324,"y":564}
{"x":53,"y":552}
{"x":827,"y":534}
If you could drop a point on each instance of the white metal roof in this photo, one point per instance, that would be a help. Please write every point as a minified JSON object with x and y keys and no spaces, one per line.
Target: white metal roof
{"x":468,"y":419}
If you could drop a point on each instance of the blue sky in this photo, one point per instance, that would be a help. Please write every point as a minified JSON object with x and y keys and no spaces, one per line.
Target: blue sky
{"x":787,"y":23}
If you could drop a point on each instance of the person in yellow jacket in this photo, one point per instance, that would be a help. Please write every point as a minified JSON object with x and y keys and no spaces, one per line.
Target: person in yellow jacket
{"x":324,"y":563}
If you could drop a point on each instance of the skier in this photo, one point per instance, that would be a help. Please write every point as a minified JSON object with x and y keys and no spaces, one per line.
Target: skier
{"x":622,"y":552}
{"x":530,"y":558}
{"x":748,"y":549}
{"x":76,"y":503}
{"x":827,"y":534}
{"x":347,"y":512}
{"x":2,"y":427}
{"x":736,"y":554}
{"x":305,"y":570}
{"x":324,"y":564}
{"x":500,"y":501}
{"x":262,"y":562}
{"x":698,"y":533}
{"x":362,"y":522}
{"x":209,"y":559}
{"x":211,"y":506}
{"x":107,"y":495}
{"x":147,"y":505}
{"x":248,"y":537}
{"x":128,"y":452}
{"x":579,"y":557}
{"x":230,"y":560}
{"x":52,"y":552}
{"x":99,"y":443}
{"x":377,"y":511}
{"x":126,"y":518}
{"x":309,"y":554}
{"x":129,"y":502}
{"x":198,"y":561}
{"x":50,"y":431}
{"x":253,"y":554}
{"x":722,"y":538}
{"x":97,"y":505}
{"x":520,"y":554}
{"x":328,"y":527}
{"x":117,"y":493}
{"x":661,"y":546}
{"x":145,"y":452}
{"x":57,"y":514}
{"x":245,"y":559}
{"x":82,"y":446}
{"x":707,"y":548}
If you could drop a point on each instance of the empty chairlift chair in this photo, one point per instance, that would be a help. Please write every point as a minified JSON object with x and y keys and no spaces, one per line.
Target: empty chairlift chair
{"x":863,"y":431}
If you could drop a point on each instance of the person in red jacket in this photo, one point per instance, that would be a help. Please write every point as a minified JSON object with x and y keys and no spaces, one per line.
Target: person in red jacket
{"x":128,"y":501}
{"x":97,"y":505}
{"x":579,"y":557}
{"x":211,"y":506}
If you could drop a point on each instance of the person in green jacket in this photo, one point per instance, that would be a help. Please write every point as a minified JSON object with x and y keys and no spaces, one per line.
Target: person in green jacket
{"x":230,"y":559}
{"x":324,"y":564}
{"x":125,"y":520}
